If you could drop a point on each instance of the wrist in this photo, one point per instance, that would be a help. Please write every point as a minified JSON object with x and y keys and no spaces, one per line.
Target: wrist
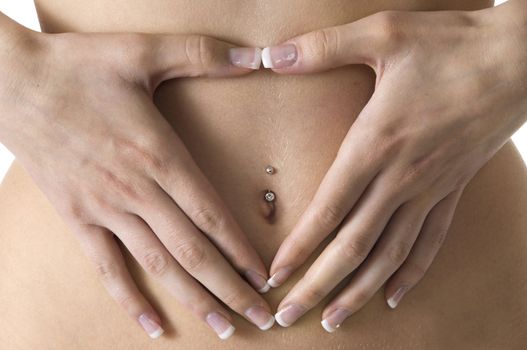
{"x":17,"y":43}
{"x":513,"y":16}
{"x":21,"y":54}
{"x":503,"y":32}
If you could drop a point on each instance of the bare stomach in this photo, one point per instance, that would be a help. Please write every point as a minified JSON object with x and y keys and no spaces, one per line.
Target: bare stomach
{"x":472,"y":297}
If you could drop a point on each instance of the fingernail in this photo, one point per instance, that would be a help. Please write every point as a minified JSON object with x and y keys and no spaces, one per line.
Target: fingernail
{"x":397,"y":296}
{"x":279,"y":56}
{"x":288,"y":315}
{"x":260,"y":317}
{"x":151,"y":327}
{"x":257,"y":281}
{"x":246,"y":57}
{"x":223,"y":328}
{"x":334,"y":320}
{"x":279,"y":277}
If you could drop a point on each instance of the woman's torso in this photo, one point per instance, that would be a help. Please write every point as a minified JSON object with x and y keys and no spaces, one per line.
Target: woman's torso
{"x":472,"y":297}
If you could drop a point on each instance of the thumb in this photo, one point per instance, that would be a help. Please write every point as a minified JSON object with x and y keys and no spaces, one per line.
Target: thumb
{"x":359,"y":42}
{"x":171,"y":56}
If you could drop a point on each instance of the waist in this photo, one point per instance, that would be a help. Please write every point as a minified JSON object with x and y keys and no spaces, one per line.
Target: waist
{"x":235,"y":128}
{"x":478,"y":272}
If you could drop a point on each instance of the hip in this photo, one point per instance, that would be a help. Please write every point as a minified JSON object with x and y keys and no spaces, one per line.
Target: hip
{"x":473,"y":295}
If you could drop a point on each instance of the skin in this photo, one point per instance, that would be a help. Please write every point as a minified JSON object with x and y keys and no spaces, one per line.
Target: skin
{"x":154,"y":199}
{"x":392,"y":190}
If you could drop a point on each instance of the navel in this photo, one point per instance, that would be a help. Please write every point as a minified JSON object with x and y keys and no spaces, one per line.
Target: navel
{"x":268,"y":199}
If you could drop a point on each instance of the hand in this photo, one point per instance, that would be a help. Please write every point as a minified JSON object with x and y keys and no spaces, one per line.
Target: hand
{"x":84,"y":126}
{"x":450,"y":91}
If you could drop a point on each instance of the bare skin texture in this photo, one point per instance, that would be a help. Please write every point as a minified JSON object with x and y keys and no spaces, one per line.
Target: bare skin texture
{"x":386,"y":42}
{"x":155,"y":201}
{"x":403,"y":165}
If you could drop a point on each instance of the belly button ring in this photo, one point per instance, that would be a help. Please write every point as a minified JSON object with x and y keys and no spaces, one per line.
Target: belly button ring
{"x":269,"y":196}
{"x":269,"y":170}
{"x":268,"y":205}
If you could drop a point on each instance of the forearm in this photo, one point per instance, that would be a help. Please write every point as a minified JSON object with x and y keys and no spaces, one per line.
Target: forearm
{"x":503,"y":32}
{"x":19,"y":57}
{"x":15,"y":39}
{"x":518,"y":12}
{"x":10,"y":33}
{"x":515,"y":12}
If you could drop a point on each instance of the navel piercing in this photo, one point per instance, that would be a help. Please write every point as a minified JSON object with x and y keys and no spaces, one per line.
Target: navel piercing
{"x":269,"y":170}
{"x":269,"y":196}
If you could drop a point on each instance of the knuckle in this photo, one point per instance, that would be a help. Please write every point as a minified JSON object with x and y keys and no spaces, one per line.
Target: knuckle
{"x":76,"y":212}
{"x":388,"y":140}
{"x":234,"y":300}
{"x":107,"y":271}
{"x":200,"y":302}
{"x":355,"y":250}
{"x":155,"y":263}
{"x":314,"y":294}
{"x":419,"y":171}
{"x":118,"y":184}
{"x":135,"y":49}
{"x":383,"y":144}
{"x":297,"y":251}
{"x":417,"y":271}
{"x":146,"y":151}
{"x":323,"y":44}
{"x":390,"y":26}
{"x":126,"y":301}
{"x":199,"y":50}
{"x":360,"y":297}
{"x":440,"y":237}
{"x":190,"y":255}
{"x":207,"y":220}
{"x":464,"y":178}
{"x":398,"y":252}
{"x":328,"y":216}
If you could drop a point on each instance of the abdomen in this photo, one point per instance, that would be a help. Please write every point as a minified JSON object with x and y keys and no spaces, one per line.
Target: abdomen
{"x":472,"y":296}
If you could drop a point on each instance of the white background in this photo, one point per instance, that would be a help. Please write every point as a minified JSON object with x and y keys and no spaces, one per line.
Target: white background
{"x":23,"y":11}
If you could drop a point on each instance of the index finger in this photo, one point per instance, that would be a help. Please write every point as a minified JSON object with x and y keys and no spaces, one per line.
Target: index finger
{"x":181,"y":178}
{"x":199,"y":200}
{"x":200,"y":258}
{"x":182,"y":55}
{"x":348,"y":177}
{"x":365,"y":41}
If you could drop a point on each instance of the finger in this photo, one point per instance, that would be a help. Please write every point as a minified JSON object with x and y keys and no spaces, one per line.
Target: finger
{"x":389,"y":253}
{"x":155,"y":259}
{"x":365,"y":41}
{"x":342,"y":186}
{"x":425,"y":249}
{"x":355,"y":239}
{"x":181,"y":55}
{"x":184,"y":182}
{"x":200,"y":258}
{"x":100,"y":247}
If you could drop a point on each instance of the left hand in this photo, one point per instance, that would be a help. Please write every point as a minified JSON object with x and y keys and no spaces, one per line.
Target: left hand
{"x":449,"y":93}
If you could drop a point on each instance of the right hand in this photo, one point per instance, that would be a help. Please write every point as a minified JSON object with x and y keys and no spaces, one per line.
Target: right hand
{"x":78,"y":113}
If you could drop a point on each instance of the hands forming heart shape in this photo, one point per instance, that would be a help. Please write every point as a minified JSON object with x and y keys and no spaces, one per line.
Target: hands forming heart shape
{"x":87,"y":131}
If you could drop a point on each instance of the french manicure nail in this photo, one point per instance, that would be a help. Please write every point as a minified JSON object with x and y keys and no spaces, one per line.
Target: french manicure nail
{"x":279,"y":277}
{"x":279,"y":56}
{"x":397,"y":296}
{"x":335,"y":319}
{"x":260,"y":317}
{"x":246,"y":57}
{"x":223,"y":328}
{"x":257,"y":281}
{"x":288,"y":315}
{"x":151,"y":327}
